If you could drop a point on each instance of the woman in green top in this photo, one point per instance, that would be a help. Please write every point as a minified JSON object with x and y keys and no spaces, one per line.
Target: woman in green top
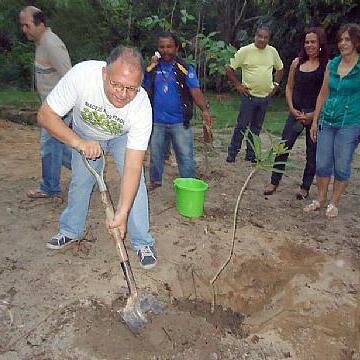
{"x":336,"y":121}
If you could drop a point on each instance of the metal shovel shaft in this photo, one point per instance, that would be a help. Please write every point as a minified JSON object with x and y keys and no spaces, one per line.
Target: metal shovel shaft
{"x":115,"y":233}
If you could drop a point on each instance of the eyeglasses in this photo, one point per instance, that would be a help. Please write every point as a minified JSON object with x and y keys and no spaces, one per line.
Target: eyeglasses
{"x":132,"y":90}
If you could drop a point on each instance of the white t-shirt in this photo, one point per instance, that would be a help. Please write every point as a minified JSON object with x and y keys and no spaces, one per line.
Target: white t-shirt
{"x":94,"y":117}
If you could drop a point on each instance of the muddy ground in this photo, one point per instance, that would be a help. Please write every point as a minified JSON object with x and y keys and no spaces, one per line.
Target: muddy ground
{"x":291,"y":290}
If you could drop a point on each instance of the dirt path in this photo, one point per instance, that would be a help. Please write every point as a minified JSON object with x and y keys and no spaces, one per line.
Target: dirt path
{"x":292,"y":289}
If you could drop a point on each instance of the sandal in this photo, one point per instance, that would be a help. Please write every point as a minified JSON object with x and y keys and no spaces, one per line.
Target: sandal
{"x":302,"y":194}
{"x":331,"y":211}
{"x":313,"y":206}
{"x":270,"y":189}
{"x":38,"y":194}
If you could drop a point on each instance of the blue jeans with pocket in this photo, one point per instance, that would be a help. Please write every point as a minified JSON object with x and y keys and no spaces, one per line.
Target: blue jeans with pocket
{"x":73,"y":218}
{"x":335,"y":150}
{"x":183,"y":144}
{"x":54,"y":154}
{"x":291,"y":132}
{"x":251,"y":115}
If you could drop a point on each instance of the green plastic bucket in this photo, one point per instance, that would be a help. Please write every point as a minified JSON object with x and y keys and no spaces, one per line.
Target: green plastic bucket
{"x":190,"y":196}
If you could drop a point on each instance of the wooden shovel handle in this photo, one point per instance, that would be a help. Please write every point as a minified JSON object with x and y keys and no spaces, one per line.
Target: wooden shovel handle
{"x":115,"y":233}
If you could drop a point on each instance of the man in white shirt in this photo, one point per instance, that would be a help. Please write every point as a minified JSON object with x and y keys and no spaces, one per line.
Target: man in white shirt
{"x":111,"y":113}
{"x":52,"y":62}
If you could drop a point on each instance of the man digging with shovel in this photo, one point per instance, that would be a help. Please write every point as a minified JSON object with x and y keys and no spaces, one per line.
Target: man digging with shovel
{"x":111,"y":113}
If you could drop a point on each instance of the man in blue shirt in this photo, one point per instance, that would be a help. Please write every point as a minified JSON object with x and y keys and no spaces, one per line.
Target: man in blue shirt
{"x":172,"y":86}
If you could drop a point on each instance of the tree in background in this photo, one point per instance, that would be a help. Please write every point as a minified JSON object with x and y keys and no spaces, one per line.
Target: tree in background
{"x":210,"y":30}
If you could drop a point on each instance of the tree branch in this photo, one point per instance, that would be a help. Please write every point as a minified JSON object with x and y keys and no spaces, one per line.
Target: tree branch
{"x":238,"y":19}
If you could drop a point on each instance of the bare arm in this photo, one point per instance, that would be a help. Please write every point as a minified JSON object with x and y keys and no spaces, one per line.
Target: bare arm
{"x":241,"y":88}
{"x":290,"y":87}
{"x":278,"y":75}
{"x":277,"y":79}
{"x":153,"y":62}
{"x":53,"y":123}
{"x":201,"y":102}
{"x":324,"y":91}
{"x":129,"y":186}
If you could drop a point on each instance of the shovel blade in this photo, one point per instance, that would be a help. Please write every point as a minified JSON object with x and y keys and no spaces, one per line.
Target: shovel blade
{"x":134,"y":313}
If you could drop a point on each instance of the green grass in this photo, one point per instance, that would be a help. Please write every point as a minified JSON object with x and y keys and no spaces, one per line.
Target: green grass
{"x":225,"y":110}
{"x":19,"y":99}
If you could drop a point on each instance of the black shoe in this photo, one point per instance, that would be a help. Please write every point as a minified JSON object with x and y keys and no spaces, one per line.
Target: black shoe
{"x":59,"y":241}
{"x":230,"y":159}
{"x":147,"y":257}
{"x":302,"y":194}
{"x":251,"y":160}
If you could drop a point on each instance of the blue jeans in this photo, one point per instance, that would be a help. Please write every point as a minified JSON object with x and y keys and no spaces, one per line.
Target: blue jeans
{"x":335,"y":150}
{"x":251,"y":115}
{"x":54,"y":154}
{"x":182,"y":142}
{"x":73,"y":218}
{"x":290,"y":135}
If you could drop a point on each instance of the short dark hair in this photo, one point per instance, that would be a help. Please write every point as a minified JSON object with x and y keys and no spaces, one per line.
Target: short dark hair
{"x":263,"y":27}
{"x":354,"y":33}
{"x":168,"y":35}
{"x":323,"y":50}
{"x":39,"y":17}
{"x":128,"y":53}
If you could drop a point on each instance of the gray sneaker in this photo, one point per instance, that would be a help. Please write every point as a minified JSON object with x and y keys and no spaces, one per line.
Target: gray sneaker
{"x":59,"y":241}
{"x":147,"y":257}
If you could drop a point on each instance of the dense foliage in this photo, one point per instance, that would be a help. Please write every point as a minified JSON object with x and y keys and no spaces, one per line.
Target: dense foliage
{"x":210,"y":30}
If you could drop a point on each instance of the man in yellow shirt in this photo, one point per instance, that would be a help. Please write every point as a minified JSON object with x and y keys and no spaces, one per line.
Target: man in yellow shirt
{"x":257,"y":62}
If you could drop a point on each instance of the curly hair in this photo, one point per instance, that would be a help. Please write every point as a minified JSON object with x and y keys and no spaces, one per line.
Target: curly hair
{"x":323,"y":50}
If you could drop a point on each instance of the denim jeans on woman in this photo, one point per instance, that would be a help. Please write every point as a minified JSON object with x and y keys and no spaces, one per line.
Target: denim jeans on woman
{"x":251,"y":115}
{"x":335,"y":150}
{"x":54,"y":154}
{"x":290,"y":133}
{"x":183,"y":144}
{"x":73,"y":218}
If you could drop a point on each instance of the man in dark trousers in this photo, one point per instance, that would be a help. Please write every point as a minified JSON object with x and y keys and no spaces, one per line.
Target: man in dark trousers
{"x":172,"y":86}
{"x":257,"y":62}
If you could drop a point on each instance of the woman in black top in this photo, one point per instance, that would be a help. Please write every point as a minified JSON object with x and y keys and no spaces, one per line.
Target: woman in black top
{"x":304,"y":82}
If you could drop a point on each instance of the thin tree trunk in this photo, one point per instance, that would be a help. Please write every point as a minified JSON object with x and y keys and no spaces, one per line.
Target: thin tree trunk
{"x":196,"y":39}
{"x":129,"y":22}
{"x":204,"y":69}
{"x":172,"y":14}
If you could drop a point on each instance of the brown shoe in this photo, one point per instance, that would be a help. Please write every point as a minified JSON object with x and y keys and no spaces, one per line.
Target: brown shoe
{"x":270,"y":189}
{"x":153,"y":185}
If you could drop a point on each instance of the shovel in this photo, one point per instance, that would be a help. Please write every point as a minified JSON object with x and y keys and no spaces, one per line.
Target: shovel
{"x":137,"y":305}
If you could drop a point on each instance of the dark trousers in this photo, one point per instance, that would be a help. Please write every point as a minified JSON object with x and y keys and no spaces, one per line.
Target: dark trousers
{"x":290,"y":133}
{"x":251,"y":115}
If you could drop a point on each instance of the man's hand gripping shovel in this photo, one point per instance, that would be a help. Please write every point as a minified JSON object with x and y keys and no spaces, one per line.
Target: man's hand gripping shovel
{"x":137,"y":305}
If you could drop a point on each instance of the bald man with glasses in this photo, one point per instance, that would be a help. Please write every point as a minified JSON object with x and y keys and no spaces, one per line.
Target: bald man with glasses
{"x":111,"y":113}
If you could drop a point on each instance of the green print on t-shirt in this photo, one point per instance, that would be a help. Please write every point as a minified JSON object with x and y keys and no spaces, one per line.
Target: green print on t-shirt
{"x":102,"y":121}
